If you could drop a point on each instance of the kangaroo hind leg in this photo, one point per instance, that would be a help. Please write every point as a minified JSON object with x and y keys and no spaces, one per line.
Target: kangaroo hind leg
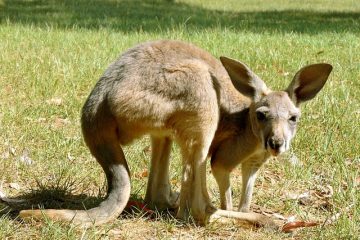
{"x":194,"y":197}
{"x":159,"y":193}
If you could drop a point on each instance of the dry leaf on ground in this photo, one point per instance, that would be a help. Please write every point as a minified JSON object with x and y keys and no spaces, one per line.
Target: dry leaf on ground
{"x":12,"y":150}
{"x":143,"y":174}
{"x":41,"y":120}
{"x":318,"y":197}
{"x":291,"y":226}
{"x":136,"y":205}
{"x":55,"y":101}
{"x":337,"y":215}
{"x":147,"y":150}
{"x":60,"y":122}
{"x":15,"y":186}
{"x":5,"y":155}
{"x":24,"y":158}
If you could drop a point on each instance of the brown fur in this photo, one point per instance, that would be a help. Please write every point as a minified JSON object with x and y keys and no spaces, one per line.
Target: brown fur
{"x":175,"y":91}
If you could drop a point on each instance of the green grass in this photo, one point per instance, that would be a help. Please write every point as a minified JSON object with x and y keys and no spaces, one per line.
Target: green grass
{"x":58,"y":49}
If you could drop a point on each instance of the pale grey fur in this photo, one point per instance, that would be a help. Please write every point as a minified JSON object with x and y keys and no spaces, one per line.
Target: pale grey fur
{"x":175,"y":91}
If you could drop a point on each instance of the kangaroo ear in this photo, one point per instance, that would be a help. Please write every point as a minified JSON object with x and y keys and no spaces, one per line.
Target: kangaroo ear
{"x":243,"y":79}
{"x":308,"y":81}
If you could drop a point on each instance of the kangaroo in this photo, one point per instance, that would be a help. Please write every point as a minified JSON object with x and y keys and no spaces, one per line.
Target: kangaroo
{"x":175,"y":91}
{"x":263,"y":127}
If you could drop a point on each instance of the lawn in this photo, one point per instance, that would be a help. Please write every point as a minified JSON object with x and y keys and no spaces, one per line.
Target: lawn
{"x":52,"y":53}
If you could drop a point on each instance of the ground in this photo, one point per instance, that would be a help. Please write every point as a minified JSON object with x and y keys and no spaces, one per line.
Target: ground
{"x":53,"y":52}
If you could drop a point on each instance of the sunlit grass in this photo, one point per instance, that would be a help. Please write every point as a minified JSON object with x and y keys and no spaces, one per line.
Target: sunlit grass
{"x":53,"y":50}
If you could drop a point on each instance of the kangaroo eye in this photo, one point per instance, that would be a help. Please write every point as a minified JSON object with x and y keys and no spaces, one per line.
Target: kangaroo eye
{"x":293,"y":119}
{"x":260,"y":116}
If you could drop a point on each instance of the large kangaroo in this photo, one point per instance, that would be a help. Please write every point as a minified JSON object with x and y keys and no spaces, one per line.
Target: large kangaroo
{"x":175,"y":91}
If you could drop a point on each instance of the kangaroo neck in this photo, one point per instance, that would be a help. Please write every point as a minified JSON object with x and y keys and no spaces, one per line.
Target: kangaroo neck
{"x":233,"y":125}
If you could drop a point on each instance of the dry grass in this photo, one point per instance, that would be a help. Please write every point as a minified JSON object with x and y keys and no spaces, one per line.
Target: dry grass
{"x":52,"y":53}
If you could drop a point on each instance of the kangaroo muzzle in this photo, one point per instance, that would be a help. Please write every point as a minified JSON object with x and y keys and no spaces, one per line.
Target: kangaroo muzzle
{"x":275,"y":145}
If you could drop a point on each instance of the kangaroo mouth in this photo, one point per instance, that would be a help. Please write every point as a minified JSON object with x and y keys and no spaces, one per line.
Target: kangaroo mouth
{"x":274,"y":152}
{"x":275,"y":149}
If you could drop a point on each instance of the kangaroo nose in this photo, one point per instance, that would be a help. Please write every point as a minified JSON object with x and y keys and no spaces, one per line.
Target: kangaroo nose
{"x":275,"y":144}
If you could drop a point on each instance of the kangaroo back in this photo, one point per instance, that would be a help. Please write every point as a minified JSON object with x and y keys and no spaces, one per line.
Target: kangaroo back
{"x":167,"y":89}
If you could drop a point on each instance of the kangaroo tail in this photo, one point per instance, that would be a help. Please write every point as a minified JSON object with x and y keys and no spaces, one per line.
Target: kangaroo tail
{"x":107,"y":211}
{"x":101,"y":136}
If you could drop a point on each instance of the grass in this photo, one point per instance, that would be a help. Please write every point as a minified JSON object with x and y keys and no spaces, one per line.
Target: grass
{"x":53,"y":52}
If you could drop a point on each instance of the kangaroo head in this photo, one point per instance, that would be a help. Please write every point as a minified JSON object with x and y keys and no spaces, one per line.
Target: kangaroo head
{"x":274,"y":114}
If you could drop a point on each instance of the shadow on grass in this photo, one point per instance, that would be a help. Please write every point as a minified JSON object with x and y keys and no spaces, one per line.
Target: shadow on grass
{"x":60,"y":199}
{"x":160,"y":15}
